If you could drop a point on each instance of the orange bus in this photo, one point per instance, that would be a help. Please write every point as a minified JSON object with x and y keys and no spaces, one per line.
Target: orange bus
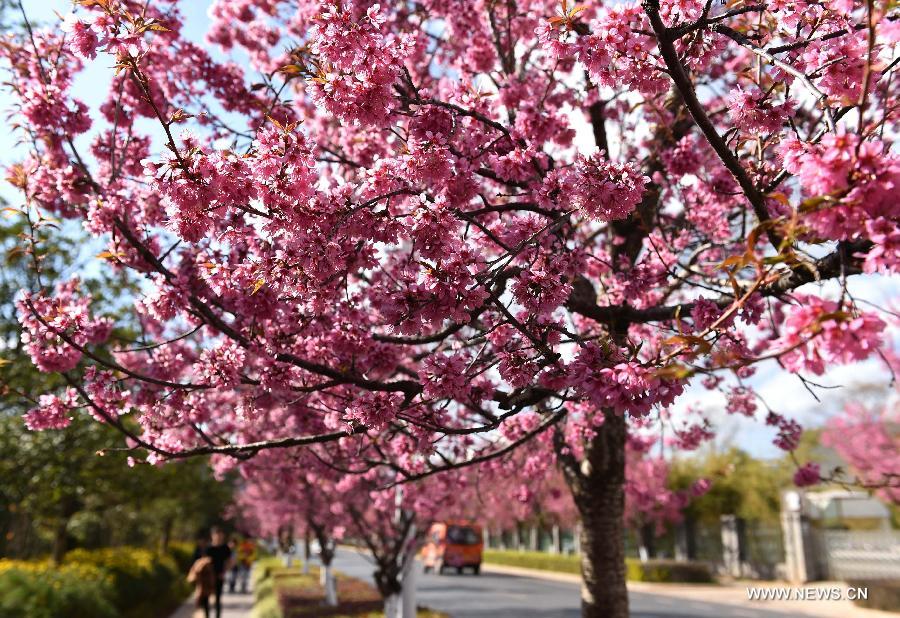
{"x":453,"y":544}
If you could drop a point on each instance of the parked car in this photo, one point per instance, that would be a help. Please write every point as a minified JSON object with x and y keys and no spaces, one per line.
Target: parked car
{"x":453,"y":544}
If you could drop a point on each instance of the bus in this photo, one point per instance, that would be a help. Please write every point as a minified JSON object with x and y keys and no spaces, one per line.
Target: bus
{"x":453,"y":544}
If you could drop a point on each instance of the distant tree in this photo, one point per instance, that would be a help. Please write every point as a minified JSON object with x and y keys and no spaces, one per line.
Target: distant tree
{"x":869,"y":441}
{"x":739,"y":484}
{"x":52,"y":481}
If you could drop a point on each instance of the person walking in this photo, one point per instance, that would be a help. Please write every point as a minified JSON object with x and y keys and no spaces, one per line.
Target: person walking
{"x":245,"y":552}
{"x":203,"y":575}
{"x":221,"y":556}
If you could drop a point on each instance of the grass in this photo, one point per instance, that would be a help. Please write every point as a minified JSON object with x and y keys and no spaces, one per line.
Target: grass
{"x":283,"y":592}
{"x":659,"y":571}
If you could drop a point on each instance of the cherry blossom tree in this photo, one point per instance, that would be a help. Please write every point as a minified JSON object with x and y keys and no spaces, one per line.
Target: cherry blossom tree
{"x":276,"y":495}
{"x":287,"y":487}
{"x":527,"y":486}
{"x":869,"y":441}
{"x":439,"y":230}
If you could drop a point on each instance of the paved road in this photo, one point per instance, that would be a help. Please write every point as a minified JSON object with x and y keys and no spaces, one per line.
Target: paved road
{"x":492,"y":595}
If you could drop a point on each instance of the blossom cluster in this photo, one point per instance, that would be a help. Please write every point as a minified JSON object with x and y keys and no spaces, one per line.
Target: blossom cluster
{"x":57,"y":328}
{"x":789,"y":431}
{"x":359,"y":63}
{"x":817,"y":334}
{"x":605,"y":190}
{"x":52,"y":412}
{"x":867,"y":440}
{"x":848,"y":183}
{"x":621,"y":386}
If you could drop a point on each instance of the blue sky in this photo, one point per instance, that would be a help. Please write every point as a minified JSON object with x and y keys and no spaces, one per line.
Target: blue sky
{"x":92,"y":84}
{"x":783,"y":392}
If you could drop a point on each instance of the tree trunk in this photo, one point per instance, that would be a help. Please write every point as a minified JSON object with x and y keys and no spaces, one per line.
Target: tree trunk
{"x":60,"y":541}
{"x":166,"y":538}
{"x":326,"y":555}
{"x":598,"y":488}
{"x":647,"y":548}
{"x":331,"y":599}
{"x":408,"y":596}
{"x":307,"y":552}
{"x":387,"y":580}
{"x":685,"y":540}
{"x":286,"y":544}
{"x":393,"y":608}
{"x":395,"y":581}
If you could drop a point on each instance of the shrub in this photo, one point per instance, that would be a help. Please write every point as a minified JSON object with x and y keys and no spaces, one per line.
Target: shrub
{"x":40,"y":590}
{"x":124,"y":582}
{"x":668,"y":571}
{"x":143,"y":582}
{"x":266,"y":566}
{"x":183,"y":555}
{"x":883,"y":594}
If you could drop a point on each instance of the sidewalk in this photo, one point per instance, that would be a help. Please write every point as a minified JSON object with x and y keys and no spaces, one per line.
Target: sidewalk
{"x":233,"y":606}
{"x":732,"y":593}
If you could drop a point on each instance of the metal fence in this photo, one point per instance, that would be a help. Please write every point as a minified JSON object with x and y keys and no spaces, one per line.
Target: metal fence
{"x":860,"y":554}
{"x":764,"y":549}
{"x":835,"y":554}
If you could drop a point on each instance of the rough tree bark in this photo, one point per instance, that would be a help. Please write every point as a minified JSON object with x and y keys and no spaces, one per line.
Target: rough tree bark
{"x":597,"y":484}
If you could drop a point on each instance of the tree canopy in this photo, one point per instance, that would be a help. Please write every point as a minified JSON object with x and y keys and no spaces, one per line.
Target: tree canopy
{"x":414,"y":237}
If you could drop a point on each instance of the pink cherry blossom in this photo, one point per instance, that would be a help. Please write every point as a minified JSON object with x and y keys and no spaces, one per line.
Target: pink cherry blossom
{"x":84,"y":39}
{"x":57,"y":328}
{"x":789,"y":431}
{"x":868,"y":441}
{"x":605,"y":190}
{"x":807,"y":474}
{"x":816,"y":334}
{"x":52,"y":412}
{"x":751,"y":112}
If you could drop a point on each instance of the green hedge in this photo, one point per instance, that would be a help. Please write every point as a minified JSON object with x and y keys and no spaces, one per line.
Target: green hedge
{"x":883,"y":594}
{"x":543,"y":561}
{"x":265,"y":567}
{"x":266,"y":598}
{"x":651,"y":571}
{"x":668,"y":571}
{"x":117,"y":582}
